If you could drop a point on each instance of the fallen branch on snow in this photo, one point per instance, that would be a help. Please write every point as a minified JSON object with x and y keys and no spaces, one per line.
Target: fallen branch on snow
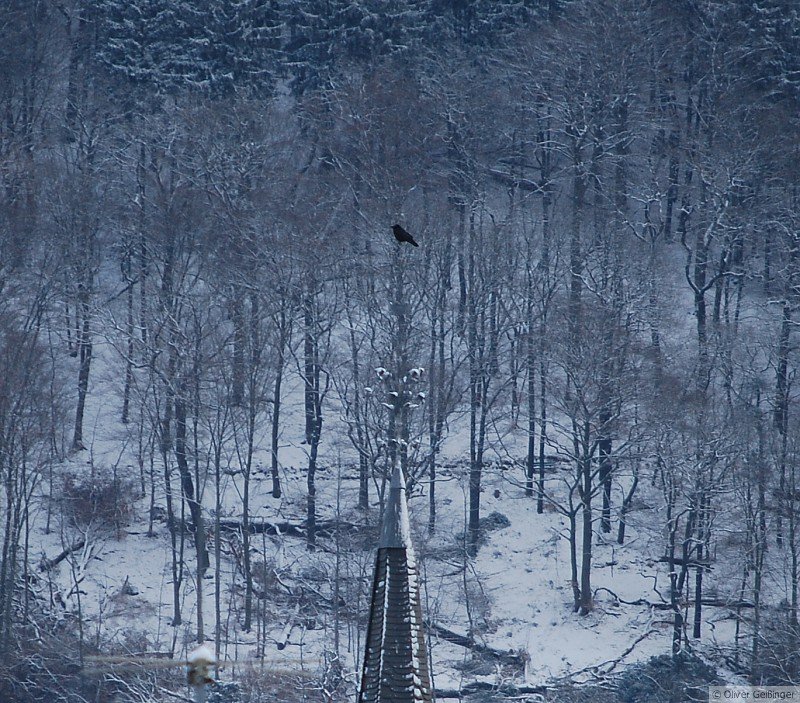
{"x":477,"y":686}
{"x":508,"y":657}
{"x":712,"y":602}
{"x":47,"y":564}
{"x":324,"y":528}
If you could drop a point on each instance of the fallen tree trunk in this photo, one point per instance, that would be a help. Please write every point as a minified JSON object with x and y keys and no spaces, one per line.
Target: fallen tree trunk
{"x":324,"y":528}
{"x":270,"y":528}
{"x":507,"y":657}
{"x":283,"y":640}
{"x":47,"y":564}
{"x":716,"y":602}
{"x":713,"y":602}
{"x":478,"y":686}
{"x":705,"y":564}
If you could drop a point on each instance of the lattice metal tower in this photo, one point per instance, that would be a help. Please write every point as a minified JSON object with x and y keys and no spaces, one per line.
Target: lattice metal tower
{"x":396,"y":658}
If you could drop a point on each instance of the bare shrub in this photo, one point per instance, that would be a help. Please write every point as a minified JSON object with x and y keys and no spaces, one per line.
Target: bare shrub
{"x":264,"y":575}
{"x":778,"y":661}
{"x":98,"y":500}
{"x":43,"y":665}
{"x":269,"y":684}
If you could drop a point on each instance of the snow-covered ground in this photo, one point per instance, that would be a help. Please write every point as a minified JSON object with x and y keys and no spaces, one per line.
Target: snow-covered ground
{"x":515,"y":595}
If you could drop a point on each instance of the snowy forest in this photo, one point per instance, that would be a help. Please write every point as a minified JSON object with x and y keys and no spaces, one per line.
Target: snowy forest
{"x":213,"y":349}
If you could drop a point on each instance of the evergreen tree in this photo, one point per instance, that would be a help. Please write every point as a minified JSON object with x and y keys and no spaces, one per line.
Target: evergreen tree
{"x":165,"y":46}
{"x":126,"y":39}
{"x":486,"y":21}
{"x":238,"y":44}
{"x":366,"y":29}
{"x":771,"y":45}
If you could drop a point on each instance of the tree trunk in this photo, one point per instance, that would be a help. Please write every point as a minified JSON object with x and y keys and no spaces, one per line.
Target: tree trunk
{"x":308,"y":359}
{"x":358,"y":415}
{"x":84,"y":343}
{"x":217,"y":539}
{"x":311,"y":500}
{"x":127,"y":277}
{"x":587,"y":527}
{"x":239,"y":344}
{"x":576,"y":262}
{"x":276,"y":406}
{"x":475,"y":465}
{"x":439,"y":390}
{"x":652,"y":307}
{"x":702,"y":537}
{"x":672,"y":189}
{"x":246,"y":475}
{"x":313,"y":409}
{"x":7,"y":565}
{"x":781,"y":413}
{"x":246,"y":556}
{"x":626,"y":504}
{"x":794,"y":557}
{"x":544,"y":268}
{"x":173,"y":526}
{"x":531,"y":369}
{"x":192,"y":500}
{"x":759,"y":552}
{"x":542,"y":427}
{"x":573,"y":559}
{"x":604,"y":446}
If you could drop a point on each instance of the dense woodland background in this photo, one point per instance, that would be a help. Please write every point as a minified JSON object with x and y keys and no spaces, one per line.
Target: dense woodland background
{"x":195,"y":206}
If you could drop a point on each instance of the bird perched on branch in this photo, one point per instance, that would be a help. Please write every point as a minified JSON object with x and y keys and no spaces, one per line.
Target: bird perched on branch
{"x":402,"y":236}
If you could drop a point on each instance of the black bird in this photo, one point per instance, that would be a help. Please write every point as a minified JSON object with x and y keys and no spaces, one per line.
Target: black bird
{"x":402,"y":236}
